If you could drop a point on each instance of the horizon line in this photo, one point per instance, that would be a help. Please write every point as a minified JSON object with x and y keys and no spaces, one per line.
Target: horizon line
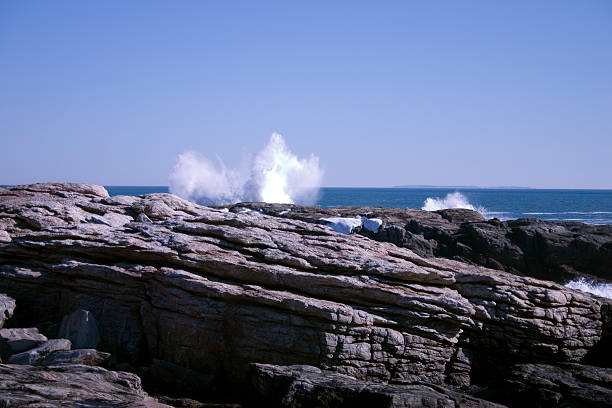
{"x":398,"y":187}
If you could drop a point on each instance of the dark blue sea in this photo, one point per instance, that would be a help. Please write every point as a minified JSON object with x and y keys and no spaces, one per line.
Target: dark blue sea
{"x":589,"y":206}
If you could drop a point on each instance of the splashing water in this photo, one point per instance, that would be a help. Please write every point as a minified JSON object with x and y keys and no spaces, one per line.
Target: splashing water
{"x":599,"y":289}
{"x":276,"y":175}
{"x":452,"y":200}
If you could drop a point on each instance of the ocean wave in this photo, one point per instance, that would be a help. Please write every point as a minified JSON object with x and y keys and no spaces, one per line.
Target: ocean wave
{"x":599,"y":289}
{"x":452,"y":200}
{"x":275,"y":175}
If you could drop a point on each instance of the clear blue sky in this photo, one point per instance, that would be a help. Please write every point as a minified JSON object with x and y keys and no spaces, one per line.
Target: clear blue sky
{"x":385,"y":93}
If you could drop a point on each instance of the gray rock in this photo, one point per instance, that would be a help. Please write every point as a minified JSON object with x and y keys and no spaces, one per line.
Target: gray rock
{"x":557,"y":251}
{"x":307,"y":386}
{"x":36,"y":355}
{"x":566,"y":385}
{"x":81,"y":328}
{"x":142,"y":217}
{"x":73,"y":386}
{"x":13,"y":341}
{"x":214,"y":291}
{"x":82,"y":356}
{"x":7,"y":307}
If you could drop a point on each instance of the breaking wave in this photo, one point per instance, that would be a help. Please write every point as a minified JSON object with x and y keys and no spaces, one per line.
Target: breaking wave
{"x":452,"y":200}
{"x":275,"y":175}
{"x":599,"y":289}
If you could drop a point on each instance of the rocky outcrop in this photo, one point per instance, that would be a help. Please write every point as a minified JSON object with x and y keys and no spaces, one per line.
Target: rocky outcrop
{"x":13,"y":341}
{"x":557,"y":251}
{"x":46,"y":373}
{"x":307,"y":386}
{"x":214,"y":291}
{"x":71,"y":386}
{"x":36,"y":355}
{"x":567,"y":385}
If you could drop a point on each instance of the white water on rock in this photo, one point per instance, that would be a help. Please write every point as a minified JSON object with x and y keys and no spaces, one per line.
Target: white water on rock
{"x":275,"y":175}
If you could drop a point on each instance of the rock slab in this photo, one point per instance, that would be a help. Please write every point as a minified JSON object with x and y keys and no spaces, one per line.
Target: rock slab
{"x":13,"y":341}
{"x":36,"y":355}
{"x":307,"y":386}
{"x":73,"y":386}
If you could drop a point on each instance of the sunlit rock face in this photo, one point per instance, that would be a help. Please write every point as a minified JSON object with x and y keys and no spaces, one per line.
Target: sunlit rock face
{"x":216,"y":290}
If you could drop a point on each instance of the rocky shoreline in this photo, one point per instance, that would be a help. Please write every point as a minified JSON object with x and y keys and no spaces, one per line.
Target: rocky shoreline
{"x":557,"y":251}
{"x":235,"y":306}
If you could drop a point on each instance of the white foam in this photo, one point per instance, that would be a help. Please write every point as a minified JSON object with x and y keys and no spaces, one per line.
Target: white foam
{"x":275,"y":175}
{"x":452,"y":200}
{"x":599,"y":289}
{"x":371,"y":224}
{"x":247,"y":210}
{"x":344,"y":225}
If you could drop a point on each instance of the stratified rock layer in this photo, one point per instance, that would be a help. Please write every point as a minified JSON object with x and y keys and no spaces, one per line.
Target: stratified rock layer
{"x":214,"y":291}
{"x":71,"y":386}
{"x":568,"y":385}
{"x":306,"y":386}
{"x":557,"y":251}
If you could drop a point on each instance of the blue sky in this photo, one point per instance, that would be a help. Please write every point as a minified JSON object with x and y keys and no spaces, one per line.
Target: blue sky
{"x":384,"y":93}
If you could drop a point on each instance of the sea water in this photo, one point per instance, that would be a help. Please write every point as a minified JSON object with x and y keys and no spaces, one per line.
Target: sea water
{"x":588,"y":206}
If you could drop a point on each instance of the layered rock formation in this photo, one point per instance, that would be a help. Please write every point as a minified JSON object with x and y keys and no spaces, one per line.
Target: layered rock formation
{"x":557,"y":251}
{"x":214,"y":291}
{"x":47,"y":373}
{"x":71,"y":386}
{"x":307,"y":386}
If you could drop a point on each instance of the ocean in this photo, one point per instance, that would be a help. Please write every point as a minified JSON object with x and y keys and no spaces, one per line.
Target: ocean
{"x":588,"y":206}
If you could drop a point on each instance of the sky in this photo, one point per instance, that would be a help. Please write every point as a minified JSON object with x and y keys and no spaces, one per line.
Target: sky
{"x":384,"y":93}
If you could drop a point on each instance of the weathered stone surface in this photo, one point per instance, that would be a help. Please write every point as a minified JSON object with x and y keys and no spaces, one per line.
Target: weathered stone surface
{"x":557,"y":251}
{"x":13,"y":341}
{"x":7,"y":307}
{"x":82,"y":356}
{"x":213,"y":291}
{"x":567,"y":385}
{"x":307,"y":386}
{"x":71,"y":386}
{"x":36,"y":355}
{"x":81,"y":328}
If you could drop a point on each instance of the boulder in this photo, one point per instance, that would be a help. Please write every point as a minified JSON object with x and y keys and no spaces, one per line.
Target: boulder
{"x":36,"y":355}
{"x":13,"y":341}
{"x":81,"y":328}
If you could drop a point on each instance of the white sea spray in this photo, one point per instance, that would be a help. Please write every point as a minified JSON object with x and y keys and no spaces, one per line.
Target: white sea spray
{"x":275,"y":175}
{"x":452,"y":200}
{"x":599,"y":289}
